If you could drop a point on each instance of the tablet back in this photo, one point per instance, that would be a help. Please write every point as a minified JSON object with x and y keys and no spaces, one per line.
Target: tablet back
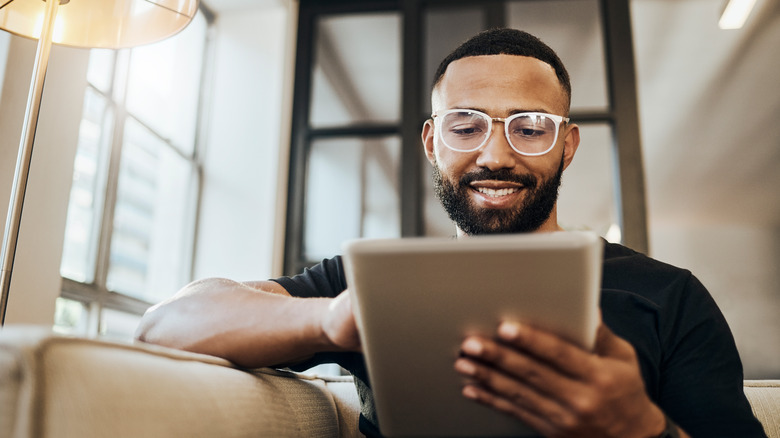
{"x":416,"y":298}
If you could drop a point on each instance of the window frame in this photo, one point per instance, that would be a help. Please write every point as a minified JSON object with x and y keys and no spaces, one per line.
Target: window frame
{"x":95,"y":295}
{"x":621,"y":114}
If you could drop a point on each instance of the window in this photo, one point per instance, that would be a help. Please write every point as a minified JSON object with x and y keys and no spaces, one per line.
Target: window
{"x":5,"y":39}
{"x":131,"y":216}
{"x":362,"y":93}
{"x":349,"y":163}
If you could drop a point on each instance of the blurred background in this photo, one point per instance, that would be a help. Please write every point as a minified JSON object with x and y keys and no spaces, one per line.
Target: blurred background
{"x":223,"y":151}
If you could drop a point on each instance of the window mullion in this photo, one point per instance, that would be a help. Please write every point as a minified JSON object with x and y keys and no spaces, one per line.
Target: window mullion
{"x":411,"y":198}
{"x":93,"y":318}
{"x":112,"y":181}
{"x":107,"y":223}
{"x":198,"y":153}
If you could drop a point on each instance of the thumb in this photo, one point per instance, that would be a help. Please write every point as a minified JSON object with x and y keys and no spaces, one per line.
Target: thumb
{"x":608,"y":344}
{"x":340,"y":325}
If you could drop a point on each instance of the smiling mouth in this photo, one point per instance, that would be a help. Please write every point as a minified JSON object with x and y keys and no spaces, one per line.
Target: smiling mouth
{"x":496,"y":193}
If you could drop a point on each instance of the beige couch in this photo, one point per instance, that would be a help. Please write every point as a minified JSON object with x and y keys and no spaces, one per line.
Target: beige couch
{"x":54,"y":386}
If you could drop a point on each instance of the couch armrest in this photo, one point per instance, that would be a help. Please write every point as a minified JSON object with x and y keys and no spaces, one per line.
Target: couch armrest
{"x":764,"y":398}
{"x":73,"y":387}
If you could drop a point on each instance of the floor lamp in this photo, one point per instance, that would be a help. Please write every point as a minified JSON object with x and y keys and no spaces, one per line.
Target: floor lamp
{"x":108,"y":24}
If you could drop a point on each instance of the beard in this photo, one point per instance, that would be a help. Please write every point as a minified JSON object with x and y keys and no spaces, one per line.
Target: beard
{"x":529,"y":216}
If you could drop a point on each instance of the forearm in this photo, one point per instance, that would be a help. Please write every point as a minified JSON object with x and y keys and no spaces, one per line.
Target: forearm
{"x":247,"y":326}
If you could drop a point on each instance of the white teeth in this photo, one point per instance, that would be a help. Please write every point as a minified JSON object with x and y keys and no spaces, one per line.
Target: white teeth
{"x":493,"y":193}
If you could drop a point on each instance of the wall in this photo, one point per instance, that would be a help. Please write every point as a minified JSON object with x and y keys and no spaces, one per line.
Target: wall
{"x":246,"y":137}
{"x":708,"y":104}
{"x":737,"y":263}
{"x":36,"y":280}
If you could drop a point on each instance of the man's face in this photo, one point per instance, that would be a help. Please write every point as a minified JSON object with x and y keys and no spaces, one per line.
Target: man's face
{"x":495,"y":189}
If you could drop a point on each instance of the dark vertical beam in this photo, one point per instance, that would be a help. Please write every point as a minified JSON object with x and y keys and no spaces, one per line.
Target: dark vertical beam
{"x":622,"y":84}
{"x":411,"y":146}
{"x":304,"y":59}
{"x":495,"y":14}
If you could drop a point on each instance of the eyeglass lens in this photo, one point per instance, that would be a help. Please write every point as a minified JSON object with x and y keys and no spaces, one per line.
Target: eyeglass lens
{"x":466,"y":131}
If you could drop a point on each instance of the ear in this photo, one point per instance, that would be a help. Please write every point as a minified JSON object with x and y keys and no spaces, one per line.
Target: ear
{"x":427,"y":139}
{"x":570,"y":143}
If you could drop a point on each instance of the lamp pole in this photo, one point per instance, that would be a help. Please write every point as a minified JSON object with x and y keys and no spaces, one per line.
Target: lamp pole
{"x":11,"y":233}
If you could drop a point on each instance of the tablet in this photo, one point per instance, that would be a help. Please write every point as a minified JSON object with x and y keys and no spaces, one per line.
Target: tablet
{"x":416,"y":299}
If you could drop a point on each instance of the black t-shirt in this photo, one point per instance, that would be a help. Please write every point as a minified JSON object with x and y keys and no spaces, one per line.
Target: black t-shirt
{"x":687,"y":355}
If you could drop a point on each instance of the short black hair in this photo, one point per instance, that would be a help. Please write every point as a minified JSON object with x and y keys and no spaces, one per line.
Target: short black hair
{"x":502,"y":41}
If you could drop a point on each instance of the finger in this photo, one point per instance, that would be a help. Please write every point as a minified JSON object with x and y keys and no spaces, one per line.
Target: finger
{"x":497,"y":382}
{"x":500,"y":368}
{"x":554,"y":350}
{"x":528,"y":416}
{"x":608,"y":344}
{"x":512,"y":362}
{"x":340,"y":325}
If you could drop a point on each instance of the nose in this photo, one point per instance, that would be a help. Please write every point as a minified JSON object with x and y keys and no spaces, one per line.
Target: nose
{"x":497,"y":153}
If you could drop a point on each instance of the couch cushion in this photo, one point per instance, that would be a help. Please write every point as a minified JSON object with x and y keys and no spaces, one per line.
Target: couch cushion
{"x":764,"y":397}
{"x":73,"y":387}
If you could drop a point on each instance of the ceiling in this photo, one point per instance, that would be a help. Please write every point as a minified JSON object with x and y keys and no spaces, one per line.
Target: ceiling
{"x":708,"y":100}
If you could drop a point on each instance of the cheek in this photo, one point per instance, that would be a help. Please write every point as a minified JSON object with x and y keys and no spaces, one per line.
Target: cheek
{"x":554,"y":159}
{"x":545,"y":165}
{"x":453,"y":164}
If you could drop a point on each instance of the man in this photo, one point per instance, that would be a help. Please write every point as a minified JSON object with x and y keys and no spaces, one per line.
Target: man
{"x":499,"y":139}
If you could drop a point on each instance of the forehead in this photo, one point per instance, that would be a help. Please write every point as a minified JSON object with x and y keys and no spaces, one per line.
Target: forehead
{"x":500,"y":84}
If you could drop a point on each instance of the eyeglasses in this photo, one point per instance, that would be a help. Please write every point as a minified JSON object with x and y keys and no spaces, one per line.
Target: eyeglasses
{"x":466,"y":130}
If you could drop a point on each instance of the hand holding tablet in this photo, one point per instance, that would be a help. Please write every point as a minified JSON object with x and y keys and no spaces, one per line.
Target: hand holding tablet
{"x":418,"y":299}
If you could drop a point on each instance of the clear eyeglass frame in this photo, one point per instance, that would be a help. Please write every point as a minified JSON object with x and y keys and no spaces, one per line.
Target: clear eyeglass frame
{"x":506,"y":121}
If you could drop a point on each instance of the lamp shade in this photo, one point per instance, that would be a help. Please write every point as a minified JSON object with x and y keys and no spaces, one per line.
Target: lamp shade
{"x":108,"y":24}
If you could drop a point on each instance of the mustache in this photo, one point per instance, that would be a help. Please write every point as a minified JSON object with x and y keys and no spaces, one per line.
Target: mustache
{"x":527,"y":180}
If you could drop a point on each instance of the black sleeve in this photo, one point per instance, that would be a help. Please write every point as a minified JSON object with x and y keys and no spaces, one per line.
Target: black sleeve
{"x":325,"y":279}
{"x":701,"y":386}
